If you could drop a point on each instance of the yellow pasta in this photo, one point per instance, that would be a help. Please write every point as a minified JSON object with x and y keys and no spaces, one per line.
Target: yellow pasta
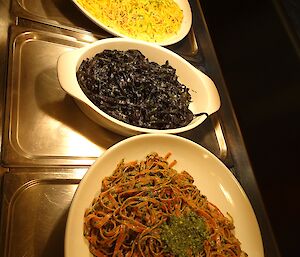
{"x":149,"y":20}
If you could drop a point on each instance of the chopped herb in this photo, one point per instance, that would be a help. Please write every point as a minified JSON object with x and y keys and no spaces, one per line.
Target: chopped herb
{"x":184,"y":235}
{"x":138,"y":185}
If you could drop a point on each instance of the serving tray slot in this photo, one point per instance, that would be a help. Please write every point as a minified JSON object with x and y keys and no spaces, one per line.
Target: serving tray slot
{"x":34,"y":211}
{"x":66,"y":14}
{"x":43,"y":125}
{"x":55,"y":12}
{"x":37,"y":164}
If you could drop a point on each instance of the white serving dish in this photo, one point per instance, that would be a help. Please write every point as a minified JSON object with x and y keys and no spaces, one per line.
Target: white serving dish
{"x":184,"y":29}
{"x":205,"y":97}
{"x":211,"y":176}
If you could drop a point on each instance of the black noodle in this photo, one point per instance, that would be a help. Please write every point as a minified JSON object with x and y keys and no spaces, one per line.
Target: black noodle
{"x":130,"y":88}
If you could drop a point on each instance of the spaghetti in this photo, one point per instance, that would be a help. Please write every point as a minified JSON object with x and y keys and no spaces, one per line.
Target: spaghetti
{"x":144,"y":207}
{"x":149,"y":20}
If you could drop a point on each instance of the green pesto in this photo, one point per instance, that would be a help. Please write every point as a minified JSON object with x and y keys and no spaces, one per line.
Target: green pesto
{"x":184,"y":236}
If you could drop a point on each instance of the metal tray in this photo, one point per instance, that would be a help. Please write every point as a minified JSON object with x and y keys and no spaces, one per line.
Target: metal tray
{"x":47,"y":144}
{"x":65,"y":14}
{"x":35,"y":210}
{"x":55,"y":12}
{"x":43,"y":125}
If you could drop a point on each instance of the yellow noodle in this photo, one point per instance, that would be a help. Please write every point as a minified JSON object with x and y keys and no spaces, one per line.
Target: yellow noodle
{"x":149,"y":20}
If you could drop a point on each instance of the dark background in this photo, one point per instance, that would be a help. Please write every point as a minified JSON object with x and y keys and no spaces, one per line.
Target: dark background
{"x":257,"y":46}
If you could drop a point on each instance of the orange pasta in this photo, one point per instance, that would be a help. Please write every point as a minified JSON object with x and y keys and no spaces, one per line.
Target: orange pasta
{"x":144,"y":207}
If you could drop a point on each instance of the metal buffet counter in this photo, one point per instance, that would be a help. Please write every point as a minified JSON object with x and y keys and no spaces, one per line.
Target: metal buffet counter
{"x":47,"y":144}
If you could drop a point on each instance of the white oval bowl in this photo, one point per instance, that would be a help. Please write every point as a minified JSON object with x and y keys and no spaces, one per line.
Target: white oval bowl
{"x":210,"y":175}
{"x":183,"y":31}
{"x":205,"y":97}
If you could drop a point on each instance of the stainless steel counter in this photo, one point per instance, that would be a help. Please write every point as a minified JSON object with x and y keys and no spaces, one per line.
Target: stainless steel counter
{"x":47,"y":144}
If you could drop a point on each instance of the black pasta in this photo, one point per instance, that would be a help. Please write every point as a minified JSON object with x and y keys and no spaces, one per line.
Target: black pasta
{"x":130,"y":88}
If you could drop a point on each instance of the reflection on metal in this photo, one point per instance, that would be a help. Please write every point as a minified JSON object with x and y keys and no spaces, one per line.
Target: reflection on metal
{"x":47,"y":143}
{"x":35,"y":211}
{"x":46,"y":137}
{"x":44,"y":126}
{"x":220,"y":137}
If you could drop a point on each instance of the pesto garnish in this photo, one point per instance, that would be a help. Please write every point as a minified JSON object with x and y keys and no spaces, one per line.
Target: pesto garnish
{"x":184,"y":235}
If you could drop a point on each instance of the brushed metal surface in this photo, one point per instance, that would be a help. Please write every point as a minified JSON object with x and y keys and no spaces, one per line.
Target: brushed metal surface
{"x":66,"y":14}
{"x":43,"y":124}
{"x":56,"y":12}
{"x":46,"y":138}
{"x":35,"y":210}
